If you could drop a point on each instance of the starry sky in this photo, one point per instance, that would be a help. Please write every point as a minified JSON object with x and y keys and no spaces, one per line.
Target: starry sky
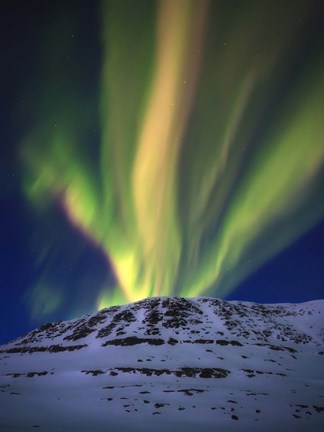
{"x":159,"y":148}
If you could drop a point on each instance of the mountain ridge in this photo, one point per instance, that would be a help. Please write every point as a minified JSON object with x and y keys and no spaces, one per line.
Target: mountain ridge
{"x":173,"y":314}
{"x":175,"y":346}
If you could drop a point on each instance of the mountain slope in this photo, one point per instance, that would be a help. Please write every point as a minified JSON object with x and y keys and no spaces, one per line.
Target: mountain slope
{"x":170,"y":364}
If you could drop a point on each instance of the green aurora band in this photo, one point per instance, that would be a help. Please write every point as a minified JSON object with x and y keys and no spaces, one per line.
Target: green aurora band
{"x":206,"y":166}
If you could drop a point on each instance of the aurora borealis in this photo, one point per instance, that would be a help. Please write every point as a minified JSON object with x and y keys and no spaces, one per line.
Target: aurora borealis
{"x":195,"y":155}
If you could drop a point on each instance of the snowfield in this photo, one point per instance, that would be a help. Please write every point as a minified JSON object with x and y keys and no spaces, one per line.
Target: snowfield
{"x":169,"y":364}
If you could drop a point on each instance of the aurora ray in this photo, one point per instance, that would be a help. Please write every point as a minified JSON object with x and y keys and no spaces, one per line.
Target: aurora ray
{"x":203,"y":163}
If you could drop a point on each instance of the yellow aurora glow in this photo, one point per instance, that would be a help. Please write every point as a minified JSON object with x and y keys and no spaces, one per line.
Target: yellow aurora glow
{"x":199,"y":179}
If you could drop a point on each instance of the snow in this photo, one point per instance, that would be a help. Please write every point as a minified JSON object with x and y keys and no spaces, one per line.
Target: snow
{"x":172,"y":364}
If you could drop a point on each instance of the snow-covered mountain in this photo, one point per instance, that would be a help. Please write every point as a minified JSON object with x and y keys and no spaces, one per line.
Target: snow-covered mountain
{"x":169,"y":364}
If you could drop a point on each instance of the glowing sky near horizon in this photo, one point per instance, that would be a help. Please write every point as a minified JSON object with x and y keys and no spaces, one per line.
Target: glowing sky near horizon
{"x":210,"y":155}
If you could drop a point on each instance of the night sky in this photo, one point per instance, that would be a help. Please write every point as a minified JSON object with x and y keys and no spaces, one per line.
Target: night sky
{"x":159,"y":148}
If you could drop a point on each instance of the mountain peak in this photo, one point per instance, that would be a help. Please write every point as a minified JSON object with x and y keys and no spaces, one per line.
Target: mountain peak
{"x":164,"y":347}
